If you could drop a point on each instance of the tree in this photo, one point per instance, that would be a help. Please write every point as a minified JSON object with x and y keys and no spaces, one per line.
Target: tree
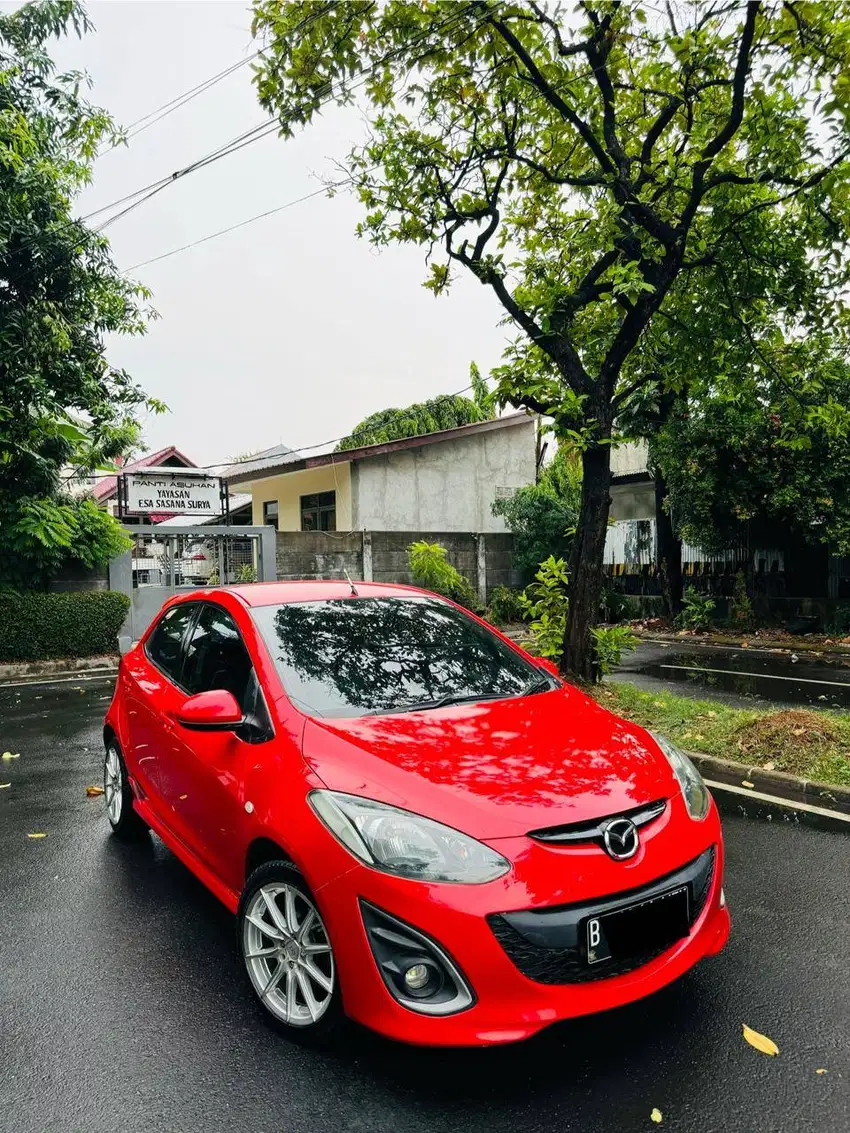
{"x":577,"y":165}
{"x":759,"y":454}
{"x":447,"y":412}
{"x":60,"y":295}
{"x":542,"y":517}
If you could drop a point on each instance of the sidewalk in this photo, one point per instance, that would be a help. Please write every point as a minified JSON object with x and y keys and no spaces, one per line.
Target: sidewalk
{"x":16,"y":672}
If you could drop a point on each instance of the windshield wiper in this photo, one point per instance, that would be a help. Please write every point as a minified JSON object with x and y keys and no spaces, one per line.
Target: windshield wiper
{"x":536,"y":684}
{"x":440,"y":702}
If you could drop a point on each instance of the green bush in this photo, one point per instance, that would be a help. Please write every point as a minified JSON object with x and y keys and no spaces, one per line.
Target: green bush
{"x":546,"y":604}
{"x":432,"y":571}
{"x":35,"y":626}
{"x":697,"y":610}
{"x":543,"y":516}
{"x":609,"y":644}
{"x":741,"y":612}
{"x":505,"y":606}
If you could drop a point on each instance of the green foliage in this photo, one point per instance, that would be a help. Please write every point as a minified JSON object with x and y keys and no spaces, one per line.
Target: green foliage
{"x":447,"y":412}
{"x":40,"y":536}
{"x":741,"y":608}
{"x":36,"y":626}
{"x":613,"y":606}
{"x":614,"y":180}
{"x":505,"y":606}
{"x":432,"y":571}
{"x":60,"y":400}
{"x":697,"y":610}
{"x":246,"y":573}
{"x":546,"y":605}
{"x":609,"y":644}
{"x":543,"y":516}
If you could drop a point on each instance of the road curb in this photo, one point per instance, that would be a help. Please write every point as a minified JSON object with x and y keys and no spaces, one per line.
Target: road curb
{"x":755,"y":792}
{"x":754,"y":644}
{"x":20,"y":672}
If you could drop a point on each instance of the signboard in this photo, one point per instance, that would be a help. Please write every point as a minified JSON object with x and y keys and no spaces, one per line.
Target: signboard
{"x":162,"y":492}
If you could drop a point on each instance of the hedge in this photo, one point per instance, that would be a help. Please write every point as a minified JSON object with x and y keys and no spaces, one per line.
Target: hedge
{"x":35,"y":626}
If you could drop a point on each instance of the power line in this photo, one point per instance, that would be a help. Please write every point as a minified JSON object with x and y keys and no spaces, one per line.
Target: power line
{"x":246,"y":138}
{"x":241,"y":224}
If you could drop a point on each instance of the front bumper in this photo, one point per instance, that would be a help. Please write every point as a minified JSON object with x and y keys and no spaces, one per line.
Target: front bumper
{"x":508,"y":1004}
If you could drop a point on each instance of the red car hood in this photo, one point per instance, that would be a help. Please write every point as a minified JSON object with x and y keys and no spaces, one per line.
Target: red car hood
{"x":495,"y":769}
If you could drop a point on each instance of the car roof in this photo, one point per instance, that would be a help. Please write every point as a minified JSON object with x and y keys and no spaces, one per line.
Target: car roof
{"x":277,"y":593}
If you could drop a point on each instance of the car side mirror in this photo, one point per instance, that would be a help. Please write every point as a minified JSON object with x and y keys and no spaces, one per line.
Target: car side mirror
{"x":549,"y":666}
{"x":212,"y":711}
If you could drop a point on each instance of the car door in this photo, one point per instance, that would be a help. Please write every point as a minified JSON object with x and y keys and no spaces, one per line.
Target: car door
{"x":205,"y":778}
{"x":152,"y":693}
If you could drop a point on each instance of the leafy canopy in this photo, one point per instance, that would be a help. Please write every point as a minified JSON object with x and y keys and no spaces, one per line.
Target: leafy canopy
{"x":591,"y":167}
{"x":542,"y":517}
{"x":60,"y":295}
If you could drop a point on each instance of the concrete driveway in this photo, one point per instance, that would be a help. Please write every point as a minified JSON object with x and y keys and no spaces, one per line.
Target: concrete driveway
{"x":122,"y":1006}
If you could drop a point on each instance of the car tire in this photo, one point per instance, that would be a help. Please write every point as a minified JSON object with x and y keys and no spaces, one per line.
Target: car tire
{"x":126,"y":823}
{"x":287,"y":956}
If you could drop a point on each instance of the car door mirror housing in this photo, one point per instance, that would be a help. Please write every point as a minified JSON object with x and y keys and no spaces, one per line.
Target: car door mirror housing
{"x":214,"y":711}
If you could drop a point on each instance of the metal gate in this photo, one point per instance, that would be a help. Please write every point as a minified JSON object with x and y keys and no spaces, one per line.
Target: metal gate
{"x":166,"y":560}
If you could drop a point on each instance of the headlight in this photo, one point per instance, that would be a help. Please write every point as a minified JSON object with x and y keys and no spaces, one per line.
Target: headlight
{"x":405,"y":844}
{"x":694,"y":789}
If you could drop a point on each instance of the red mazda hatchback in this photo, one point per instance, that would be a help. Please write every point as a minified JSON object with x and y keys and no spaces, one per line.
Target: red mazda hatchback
{"x":417,"y":824}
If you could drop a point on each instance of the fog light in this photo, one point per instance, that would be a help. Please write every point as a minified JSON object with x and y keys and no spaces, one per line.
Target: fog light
{"x":416,"y":977}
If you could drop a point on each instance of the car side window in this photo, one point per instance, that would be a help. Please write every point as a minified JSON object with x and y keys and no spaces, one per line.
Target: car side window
{"x":163,"y":647}
{"x":216,"y":657}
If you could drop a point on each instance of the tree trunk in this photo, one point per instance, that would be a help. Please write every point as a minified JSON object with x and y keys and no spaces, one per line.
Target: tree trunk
{"x":669,"y":551}
{"x":586,"y":560}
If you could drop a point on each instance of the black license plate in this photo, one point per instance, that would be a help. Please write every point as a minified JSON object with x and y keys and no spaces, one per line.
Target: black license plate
{"x":648,"y":926}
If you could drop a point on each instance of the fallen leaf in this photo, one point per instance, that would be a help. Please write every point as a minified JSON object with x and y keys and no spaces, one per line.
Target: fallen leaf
{"x":656,"y":1116}
{"x":36,"y":835}
{"x":760,"y":1042}
{"x":798,"y":731}
{"x":770,"y":765}
{"x":9,"y":755}
{"x":821,"y":1071}
{"x":3,"y":786}
{"x":747,"y":783}
{"x":745,"y":645}
{"x":93,"y":792}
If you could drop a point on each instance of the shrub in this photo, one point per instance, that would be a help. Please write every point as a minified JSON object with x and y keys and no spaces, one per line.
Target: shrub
{"x":432,"y":571}
{"x":543,"y":516}
{"x":741,"y":608}
{"x":545,"y":603}
{"x":505,"y":606}
{"x":609,"y":644}
{"x":697,"y":611}
{"x":35,"y":626}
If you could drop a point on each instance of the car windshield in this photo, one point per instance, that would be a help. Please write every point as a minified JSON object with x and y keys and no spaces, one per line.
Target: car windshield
{"x":370,"y":656}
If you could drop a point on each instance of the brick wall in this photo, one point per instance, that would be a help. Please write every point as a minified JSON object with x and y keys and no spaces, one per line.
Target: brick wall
{"x":318,"y":554}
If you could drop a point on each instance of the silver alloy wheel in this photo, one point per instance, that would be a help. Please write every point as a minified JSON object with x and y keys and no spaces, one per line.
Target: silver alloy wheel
{"x":113,"y":787}
{"x":288,"y":954}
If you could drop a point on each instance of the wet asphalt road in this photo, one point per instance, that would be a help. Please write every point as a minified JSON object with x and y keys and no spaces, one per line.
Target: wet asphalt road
{"x":752,"y":677}
{"x":122,"y":1006}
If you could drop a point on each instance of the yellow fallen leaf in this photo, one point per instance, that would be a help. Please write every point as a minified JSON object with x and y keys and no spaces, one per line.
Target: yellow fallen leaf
{"x":760,"y":1042}
{"x":747,"y":783}
{"x":656,"y":1116}
{"x":93,"y":792}
{"x":3,"y":786}
{"x":769,"y":766}
{"x":821,"y":1071}
{"x":36,"y":835}
{"x":9,"y":755}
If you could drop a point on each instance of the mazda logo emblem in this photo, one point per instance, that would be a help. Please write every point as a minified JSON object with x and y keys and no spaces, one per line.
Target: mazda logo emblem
{"x":621,"y":840}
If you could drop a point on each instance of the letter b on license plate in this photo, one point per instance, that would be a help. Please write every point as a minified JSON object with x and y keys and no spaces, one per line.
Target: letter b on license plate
{"x":597,"y":944}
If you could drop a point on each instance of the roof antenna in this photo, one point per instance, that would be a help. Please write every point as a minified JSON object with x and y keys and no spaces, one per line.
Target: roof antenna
{"x":350,"y":583}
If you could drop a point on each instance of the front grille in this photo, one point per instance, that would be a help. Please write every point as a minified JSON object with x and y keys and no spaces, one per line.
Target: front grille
{"x":592,"y":830}
{"x":546,"y":944}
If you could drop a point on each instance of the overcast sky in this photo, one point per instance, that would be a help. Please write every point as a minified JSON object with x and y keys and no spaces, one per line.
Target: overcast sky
{"x":289,"y":330}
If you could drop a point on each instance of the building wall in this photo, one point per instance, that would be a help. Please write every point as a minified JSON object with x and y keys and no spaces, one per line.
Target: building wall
{"x":289,"y":489}
{"x":633,"y":501}
{"x":444,"y":487}
{"x":628,"y":458}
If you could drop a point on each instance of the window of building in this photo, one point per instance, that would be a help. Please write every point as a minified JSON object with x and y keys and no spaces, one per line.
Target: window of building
{"x":270,"y":513}
{"x":318,"y":512}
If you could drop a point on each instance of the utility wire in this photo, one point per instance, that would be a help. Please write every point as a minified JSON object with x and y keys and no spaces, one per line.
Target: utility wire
{"x":241,"y":224}
{"x":247,"y":138}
